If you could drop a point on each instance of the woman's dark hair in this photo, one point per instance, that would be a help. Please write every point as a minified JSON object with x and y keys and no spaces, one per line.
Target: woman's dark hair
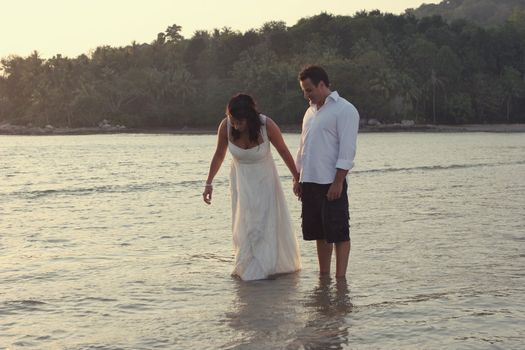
{"x":316,"y":74}
{"x":242,"y":106}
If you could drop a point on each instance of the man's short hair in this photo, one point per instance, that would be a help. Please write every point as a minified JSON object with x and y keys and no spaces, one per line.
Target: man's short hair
{"x":316,"y":74}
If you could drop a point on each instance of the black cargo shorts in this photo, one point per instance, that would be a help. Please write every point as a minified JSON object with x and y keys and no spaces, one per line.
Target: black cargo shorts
{"x":324,"y":219}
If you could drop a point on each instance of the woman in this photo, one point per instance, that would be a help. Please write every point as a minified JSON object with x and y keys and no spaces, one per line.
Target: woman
{"x":263,"y":236}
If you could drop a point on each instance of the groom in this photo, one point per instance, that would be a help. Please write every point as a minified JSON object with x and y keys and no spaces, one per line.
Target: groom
{"x":326,"y":154}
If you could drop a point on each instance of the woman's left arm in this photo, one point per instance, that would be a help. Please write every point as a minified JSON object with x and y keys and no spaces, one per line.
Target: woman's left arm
{"x":276,"y":138}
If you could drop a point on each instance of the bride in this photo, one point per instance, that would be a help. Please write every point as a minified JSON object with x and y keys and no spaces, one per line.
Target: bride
{"x":263,"y":236}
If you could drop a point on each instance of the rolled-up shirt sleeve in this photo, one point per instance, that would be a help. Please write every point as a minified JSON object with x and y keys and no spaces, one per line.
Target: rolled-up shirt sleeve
{"x":347,"y":128}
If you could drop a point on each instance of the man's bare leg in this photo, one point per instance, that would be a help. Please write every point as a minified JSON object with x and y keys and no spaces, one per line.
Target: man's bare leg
{"x":324,"y":254}
{"x":342,"y":252}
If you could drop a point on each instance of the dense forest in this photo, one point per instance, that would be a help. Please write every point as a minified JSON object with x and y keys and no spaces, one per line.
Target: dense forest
{"x":482,"y":12}
{"x":392,"y":67}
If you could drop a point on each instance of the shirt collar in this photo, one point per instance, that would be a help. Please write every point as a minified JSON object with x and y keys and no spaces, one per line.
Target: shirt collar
{"x":333,"y":96}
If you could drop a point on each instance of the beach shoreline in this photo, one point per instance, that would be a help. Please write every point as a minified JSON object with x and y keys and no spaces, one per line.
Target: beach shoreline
{"x":17,"y":130}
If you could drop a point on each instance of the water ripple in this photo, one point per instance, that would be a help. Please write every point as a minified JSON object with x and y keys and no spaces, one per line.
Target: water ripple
{"x":437,"y":167}
{"x":114,"y":249}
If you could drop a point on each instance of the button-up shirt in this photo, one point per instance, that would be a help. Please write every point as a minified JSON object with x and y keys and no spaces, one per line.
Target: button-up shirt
{"x":328,"y":140}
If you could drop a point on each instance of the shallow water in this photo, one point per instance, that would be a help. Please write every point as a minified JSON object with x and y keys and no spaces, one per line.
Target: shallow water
{"x":106,"y":244}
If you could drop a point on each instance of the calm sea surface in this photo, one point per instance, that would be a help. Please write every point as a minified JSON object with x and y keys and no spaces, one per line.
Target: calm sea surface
{"x":105,"y":243}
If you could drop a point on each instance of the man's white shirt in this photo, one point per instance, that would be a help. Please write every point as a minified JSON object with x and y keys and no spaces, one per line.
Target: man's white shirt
{"x":328,"y":140}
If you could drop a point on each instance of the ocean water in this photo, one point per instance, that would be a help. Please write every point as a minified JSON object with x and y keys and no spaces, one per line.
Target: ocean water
{"x":105,"y":243}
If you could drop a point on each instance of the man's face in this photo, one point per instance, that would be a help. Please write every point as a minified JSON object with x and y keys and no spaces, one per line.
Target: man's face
{"x":311,"y":92}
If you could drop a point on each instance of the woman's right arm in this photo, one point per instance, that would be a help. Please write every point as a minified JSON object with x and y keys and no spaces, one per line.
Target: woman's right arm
{"x":218,"y":158}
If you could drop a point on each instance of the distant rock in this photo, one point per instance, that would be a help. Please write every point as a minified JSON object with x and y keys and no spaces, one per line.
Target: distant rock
{"x":373,"y":122}
{"x":104,"y":124}
{"x":407,"y":122}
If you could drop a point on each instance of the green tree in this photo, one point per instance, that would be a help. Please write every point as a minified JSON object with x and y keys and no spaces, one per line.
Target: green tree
{"x":513,"y":88}
{"x":437,"y":69}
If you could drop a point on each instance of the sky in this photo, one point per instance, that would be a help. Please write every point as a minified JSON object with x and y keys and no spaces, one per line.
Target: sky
{"x":74,"y":27}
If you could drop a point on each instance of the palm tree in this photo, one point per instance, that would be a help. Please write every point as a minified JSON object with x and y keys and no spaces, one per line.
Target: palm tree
{"x":410,"y":93}
{"x":172,"y":33}
{"x":384,"y":83}
{"x":513,"y":86}
{"x":434,"y":82}
{"x":180,"y":83}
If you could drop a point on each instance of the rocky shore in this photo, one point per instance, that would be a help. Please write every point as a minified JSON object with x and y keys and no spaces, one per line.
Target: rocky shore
{"x":8,"y":129}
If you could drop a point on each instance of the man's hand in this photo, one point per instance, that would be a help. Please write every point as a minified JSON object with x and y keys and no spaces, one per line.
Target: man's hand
{"x":335,"y":190}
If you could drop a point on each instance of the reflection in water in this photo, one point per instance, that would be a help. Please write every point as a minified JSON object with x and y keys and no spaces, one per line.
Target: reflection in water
{"x":328,"y":305}
{"x":264,"y":313}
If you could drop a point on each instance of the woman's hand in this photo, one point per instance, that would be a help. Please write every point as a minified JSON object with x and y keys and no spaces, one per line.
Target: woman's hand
{"x":206,"y":195}
{"x":297,"y":190}
{"x":218,"y":157}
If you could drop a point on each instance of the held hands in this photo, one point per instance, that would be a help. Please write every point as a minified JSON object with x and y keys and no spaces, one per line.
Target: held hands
{"x":297,"y":188}
{"x":206,"y":195}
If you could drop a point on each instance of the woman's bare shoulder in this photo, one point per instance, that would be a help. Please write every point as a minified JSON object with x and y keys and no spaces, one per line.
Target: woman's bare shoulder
{"x":223,"y":124}
{"x":270,"y":123}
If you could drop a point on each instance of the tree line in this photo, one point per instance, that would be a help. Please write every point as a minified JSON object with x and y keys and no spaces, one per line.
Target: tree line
{"x":392,"y":67}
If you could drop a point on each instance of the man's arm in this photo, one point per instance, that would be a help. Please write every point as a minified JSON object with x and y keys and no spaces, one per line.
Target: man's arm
{"x":347,"y":127}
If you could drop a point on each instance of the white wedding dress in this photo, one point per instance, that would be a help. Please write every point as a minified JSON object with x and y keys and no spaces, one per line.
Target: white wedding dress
{"x":263,"y":235}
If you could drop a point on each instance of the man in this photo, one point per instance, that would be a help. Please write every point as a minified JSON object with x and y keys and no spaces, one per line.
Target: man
{"x":326,"y":154}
